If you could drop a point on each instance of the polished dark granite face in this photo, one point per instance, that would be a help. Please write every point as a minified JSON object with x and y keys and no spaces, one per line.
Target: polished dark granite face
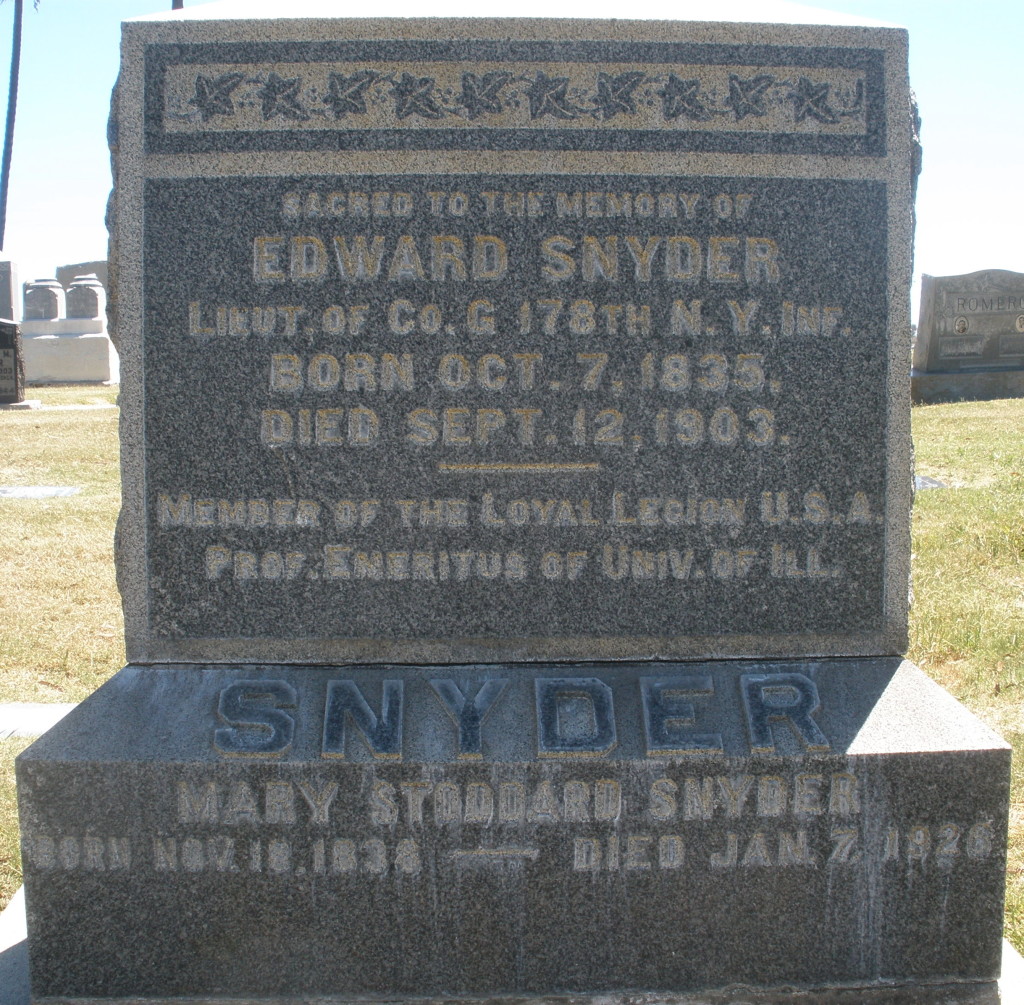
{"x":280,"y":830}
{"x":544,"y":465}
{"x":581,"y":351}
{"x":12,"y":365}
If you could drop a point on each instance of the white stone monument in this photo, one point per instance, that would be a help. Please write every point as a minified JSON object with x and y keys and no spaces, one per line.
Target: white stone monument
{"x":64,"y":333}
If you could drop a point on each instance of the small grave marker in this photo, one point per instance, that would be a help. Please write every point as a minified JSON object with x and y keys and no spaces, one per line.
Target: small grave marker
{"x":12,"y":365}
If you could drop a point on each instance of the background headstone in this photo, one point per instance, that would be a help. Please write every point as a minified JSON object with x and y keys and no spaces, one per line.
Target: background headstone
{"x":66,"y":274}
{"x":10,"y":292}
{"x":85,"y":297}
{"x":12,"y":364}
{"x":970,"y":342}
{"x":65,"y":333}
{"x":478,"y":373}
{"x":44,"y":300}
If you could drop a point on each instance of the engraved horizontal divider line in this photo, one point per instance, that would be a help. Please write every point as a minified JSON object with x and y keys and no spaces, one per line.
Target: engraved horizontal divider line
{"x":509,"y":163}
{"x":860,"y":68}
{"x":523,"y":467}
{"x":500,"y":853}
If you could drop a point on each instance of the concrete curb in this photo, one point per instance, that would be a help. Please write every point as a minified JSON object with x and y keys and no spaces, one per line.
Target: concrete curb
{"x":30,"y":718}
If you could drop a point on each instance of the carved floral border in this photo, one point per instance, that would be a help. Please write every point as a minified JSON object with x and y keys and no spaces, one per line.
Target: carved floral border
{"x":368,"y":97}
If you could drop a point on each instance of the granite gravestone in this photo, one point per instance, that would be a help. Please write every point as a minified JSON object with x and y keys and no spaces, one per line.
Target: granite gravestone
{"x":10,"y":292}
{"x":44,"y":300}
{"x":12,"y":364}
{"x":477,"y":373}
{"x":970,"y":342}
{"x":86,"y":297}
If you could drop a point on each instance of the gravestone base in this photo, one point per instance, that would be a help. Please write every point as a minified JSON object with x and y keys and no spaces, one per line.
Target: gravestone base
{"x":966,"y":385}
{"x":959,"y":993}
{"x":71,"y":358}
{"x":593,"y":829}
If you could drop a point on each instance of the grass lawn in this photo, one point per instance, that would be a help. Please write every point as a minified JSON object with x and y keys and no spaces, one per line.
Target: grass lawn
{"x":10,"y":856}
{"x":967,"y":619}
{"x":61,"y":611}
{"x":62,"y":619}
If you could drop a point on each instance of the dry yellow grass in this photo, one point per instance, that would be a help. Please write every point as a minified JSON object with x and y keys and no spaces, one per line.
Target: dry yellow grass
{"x":1014,"y":924}
{"x":10,"y":853}
{"x":967,"y":620}
{"x":59,"y":607}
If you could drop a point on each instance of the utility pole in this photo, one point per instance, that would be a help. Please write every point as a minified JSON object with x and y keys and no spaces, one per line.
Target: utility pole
{"x":12,"y":105}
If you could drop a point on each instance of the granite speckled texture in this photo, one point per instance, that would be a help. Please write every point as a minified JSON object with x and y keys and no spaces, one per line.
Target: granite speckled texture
{"x":12,"y":364}
{"x":488,"y":340}
{"x":477,"y":372}
{"x":279,"y":830}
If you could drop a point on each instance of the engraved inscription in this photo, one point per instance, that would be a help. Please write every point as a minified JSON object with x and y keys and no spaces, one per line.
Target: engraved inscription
{"x":568,"y":395}
{"x":573,"y":716}
{"x":317,"y":825}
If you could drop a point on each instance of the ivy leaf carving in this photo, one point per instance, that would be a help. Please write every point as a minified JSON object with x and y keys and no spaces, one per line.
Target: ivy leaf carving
{"x":746,"y":97}
{"x":548,"y":96}
{"x":348,"y":94}
{"x":811,"y":100}
{"x":480,"y":95}
{"x":858,"y":100}
{"x":213,"y":94}
{"x":615,"y":94}
{"x":681,"y":98}
{"x":280,"y":96}
{"x":415,"y":96}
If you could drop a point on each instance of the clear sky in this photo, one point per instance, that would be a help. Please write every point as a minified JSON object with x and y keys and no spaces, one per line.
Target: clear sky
{"x":965,"y":65}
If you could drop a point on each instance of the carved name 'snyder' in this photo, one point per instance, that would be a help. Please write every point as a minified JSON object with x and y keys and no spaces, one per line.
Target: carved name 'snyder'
{"x":575,"y":716}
